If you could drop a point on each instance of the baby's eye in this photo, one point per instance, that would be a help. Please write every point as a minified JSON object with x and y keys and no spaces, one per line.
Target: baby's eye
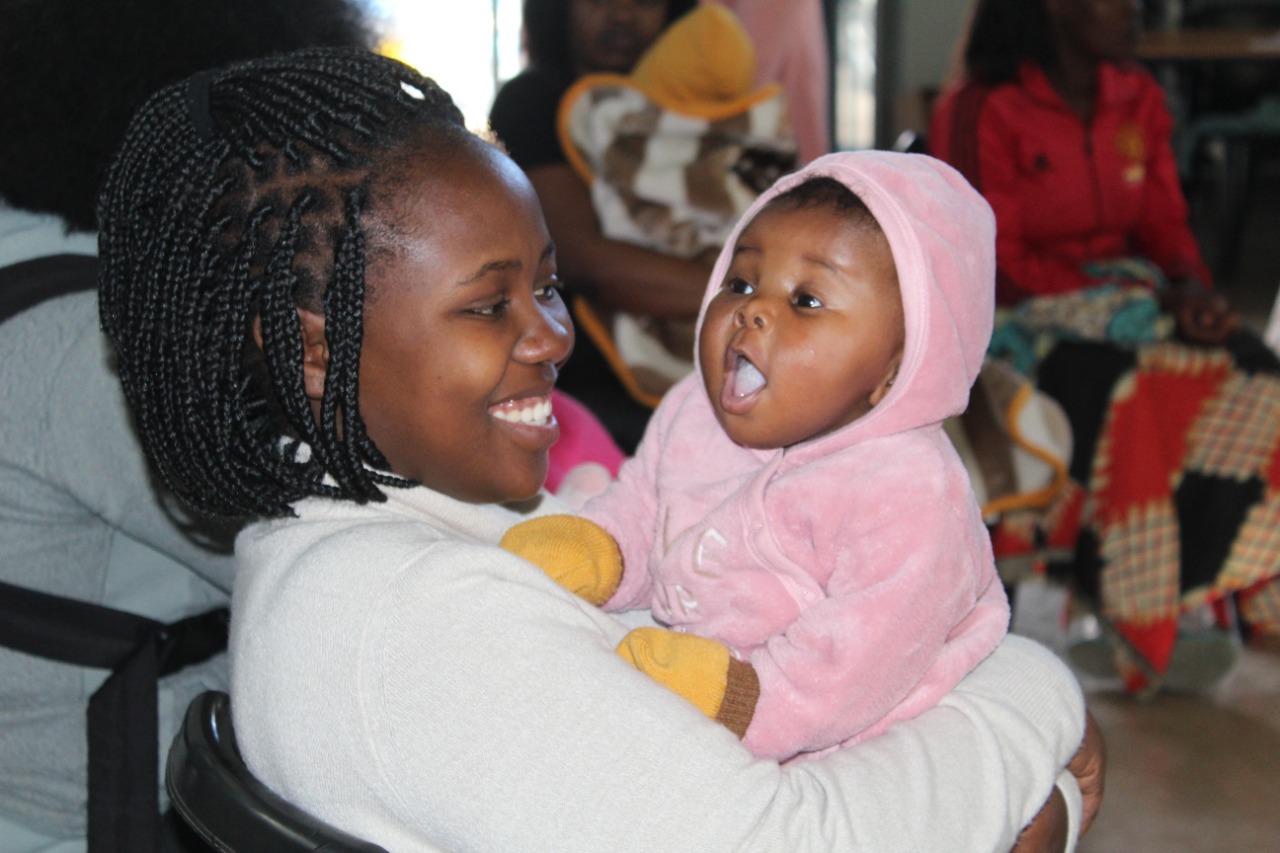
{"x":742,"y":287}
{"x":807,"y":300}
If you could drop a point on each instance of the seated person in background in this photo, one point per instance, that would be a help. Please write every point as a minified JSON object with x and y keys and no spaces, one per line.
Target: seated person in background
{"x":463,"y":700}
{"x":797,"y":500}
{"x":566,"y":39}
{"x":80,"y":516}
{"x":1069,"y":140}
{"x":674,"y":153}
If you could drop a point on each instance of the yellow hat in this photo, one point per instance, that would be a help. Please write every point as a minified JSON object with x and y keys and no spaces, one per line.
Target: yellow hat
{"x":705,"y":56}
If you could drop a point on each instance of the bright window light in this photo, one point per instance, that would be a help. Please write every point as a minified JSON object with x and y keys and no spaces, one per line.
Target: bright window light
{"x":469,"y":47}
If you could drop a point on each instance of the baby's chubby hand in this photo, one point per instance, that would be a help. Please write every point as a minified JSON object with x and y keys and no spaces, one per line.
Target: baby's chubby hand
{"x":574,"y":552}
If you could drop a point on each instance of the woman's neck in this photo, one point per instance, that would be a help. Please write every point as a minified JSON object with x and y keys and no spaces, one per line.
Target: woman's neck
{"x":1075,"y":78}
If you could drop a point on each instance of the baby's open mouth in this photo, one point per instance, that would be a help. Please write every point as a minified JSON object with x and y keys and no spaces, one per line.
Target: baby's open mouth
{"x":745,"y":378}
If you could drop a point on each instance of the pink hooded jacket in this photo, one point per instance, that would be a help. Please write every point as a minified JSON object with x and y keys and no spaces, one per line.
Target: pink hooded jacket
{"x":853,"y":571}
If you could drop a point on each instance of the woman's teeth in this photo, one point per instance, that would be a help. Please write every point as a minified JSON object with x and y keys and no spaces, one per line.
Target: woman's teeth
{"x":535,"y":411}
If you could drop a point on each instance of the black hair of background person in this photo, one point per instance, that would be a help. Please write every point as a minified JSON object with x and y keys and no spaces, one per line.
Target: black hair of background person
{"x":1004,"y":33}
{"x":68,"y":95}
{"x":546,"y":28}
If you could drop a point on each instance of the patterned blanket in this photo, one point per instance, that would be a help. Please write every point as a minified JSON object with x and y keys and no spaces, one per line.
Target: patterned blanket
{"x":1180,"y":450}
{"x":672,"y":171}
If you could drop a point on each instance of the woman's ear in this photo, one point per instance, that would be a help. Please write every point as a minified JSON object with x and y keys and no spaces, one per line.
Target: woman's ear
{"x":315,"y":353}
{"x":890,"y":376}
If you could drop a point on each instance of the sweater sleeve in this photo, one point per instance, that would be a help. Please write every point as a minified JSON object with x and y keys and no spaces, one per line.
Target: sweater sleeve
{"x":905,"y":615}
{"x":94,"y":455}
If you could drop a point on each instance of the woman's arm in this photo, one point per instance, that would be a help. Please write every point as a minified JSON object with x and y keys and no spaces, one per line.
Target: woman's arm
{"x":507,"y":722}
{"x":617,"y":275}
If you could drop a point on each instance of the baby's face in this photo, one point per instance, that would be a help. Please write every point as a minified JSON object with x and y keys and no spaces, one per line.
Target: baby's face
{"x":805,"y":334}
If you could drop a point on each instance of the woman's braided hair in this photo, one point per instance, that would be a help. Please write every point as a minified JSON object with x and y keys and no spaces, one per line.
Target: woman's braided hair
{"x":237,"y":196}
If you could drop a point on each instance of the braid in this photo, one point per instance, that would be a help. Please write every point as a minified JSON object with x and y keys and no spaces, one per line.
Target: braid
{"x":211,"y":222}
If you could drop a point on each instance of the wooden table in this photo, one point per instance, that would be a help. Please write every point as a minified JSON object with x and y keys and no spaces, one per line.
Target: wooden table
{"x":1173,"y":46}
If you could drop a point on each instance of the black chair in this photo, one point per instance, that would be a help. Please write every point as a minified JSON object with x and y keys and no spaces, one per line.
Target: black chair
{"x":226,"y":805}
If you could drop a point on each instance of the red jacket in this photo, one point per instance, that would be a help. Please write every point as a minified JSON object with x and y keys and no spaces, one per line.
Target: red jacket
{"x":1066,"y":193}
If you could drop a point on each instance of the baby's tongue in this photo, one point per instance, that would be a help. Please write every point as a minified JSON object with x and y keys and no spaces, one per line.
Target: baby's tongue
{"x":747,"y":379}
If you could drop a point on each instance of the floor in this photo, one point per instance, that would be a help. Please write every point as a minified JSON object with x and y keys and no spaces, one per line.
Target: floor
{"x":1195,"y":773}
{"x":1185,"y":773}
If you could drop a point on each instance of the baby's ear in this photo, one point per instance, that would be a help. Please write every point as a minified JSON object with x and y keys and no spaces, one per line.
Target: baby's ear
{"x":890,"y":376}
{"x":315,"y":352}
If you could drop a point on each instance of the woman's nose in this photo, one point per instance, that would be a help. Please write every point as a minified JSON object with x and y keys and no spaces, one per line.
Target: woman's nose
{"x":548,"y":336}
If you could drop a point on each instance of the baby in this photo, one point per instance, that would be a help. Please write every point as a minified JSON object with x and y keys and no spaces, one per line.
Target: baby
{"x":795,"y":512}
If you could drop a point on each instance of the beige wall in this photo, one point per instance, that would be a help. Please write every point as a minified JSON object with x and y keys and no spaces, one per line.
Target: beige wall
{"x":929,"y":31}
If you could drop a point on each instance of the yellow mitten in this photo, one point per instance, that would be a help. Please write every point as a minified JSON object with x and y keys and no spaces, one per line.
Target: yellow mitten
{"x":575,"y":553}
{"x":701,"y":670}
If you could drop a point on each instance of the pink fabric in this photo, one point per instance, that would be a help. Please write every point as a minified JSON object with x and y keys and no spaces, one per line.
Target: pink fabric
{"x":582,"y":439}
{"x":853,"y":571}
{"x":790,"y":39}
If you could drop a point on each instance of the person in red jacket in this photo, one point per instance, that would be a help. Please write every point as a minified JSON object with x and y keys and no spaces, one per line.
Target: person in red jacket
{"x":1069,"y":140}
{"x":1111,"y":306}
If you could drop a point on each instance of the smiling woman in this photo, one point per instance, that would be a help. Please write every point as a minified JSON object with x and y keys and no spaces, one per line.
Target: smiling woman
{"x":465,"y":318}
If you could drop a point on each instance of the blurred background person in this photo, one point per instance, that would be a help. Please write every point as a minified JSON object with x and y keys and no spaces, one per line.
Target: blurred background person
{"x":1109,"y":304}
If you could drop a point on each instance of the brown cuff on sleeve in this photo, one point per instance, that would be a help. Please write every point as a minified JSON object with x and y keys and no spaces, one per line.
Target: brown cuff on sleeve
{"x":741,"y":692}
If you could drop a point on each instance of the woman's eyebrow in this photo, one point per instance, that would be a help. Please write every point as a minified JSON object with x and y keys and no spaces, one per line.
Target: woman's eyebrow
{"x":504,"y":265}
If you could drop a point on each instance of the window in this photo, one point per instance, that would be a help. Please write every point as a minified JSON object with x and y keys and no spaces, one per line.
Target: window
{"x":468,"y":48}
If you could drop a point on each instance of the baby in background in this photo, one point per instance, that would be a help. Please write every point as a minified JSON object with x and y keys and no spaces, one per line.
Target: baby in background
{"x":674,"y":153}
{"x":796,"y":514}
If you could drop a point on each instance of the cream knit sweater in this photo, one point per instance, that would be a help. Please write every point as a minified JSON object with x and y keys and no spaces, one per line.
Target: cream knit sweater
{"x":395,"y":673}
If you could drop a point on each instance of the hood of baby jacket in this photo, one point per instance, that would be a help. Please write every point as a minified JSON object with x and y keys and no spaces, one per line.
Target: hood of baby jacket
{"x":942,"y":235}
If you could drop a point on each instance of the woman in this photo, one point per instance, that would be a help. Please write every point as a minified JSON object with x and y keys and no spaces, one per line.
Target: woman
{"x":336,"y":313}
{"x":1069,"y":140}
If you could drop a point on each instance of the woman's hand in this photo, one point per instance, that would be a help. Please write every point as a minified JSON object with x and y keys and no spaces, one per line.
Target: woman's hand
{"x":1089,"y":766}
{"x":1203,"y":316}
{"x":1047,"y":832}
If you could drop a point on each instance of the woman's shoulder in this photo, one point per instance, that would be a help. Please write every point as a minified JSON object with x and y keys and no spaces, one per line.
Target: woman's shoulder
{"x":531,"y":89}
{"x":410,"y":523}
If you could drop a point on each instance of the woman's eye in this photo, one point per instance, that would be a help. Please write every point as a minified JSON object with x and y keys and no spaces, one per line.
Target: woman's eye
{"x":740,"y":286}
{"x":491,"y":309}
{"x":548,"y":291}
{"x":806,"y":300}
